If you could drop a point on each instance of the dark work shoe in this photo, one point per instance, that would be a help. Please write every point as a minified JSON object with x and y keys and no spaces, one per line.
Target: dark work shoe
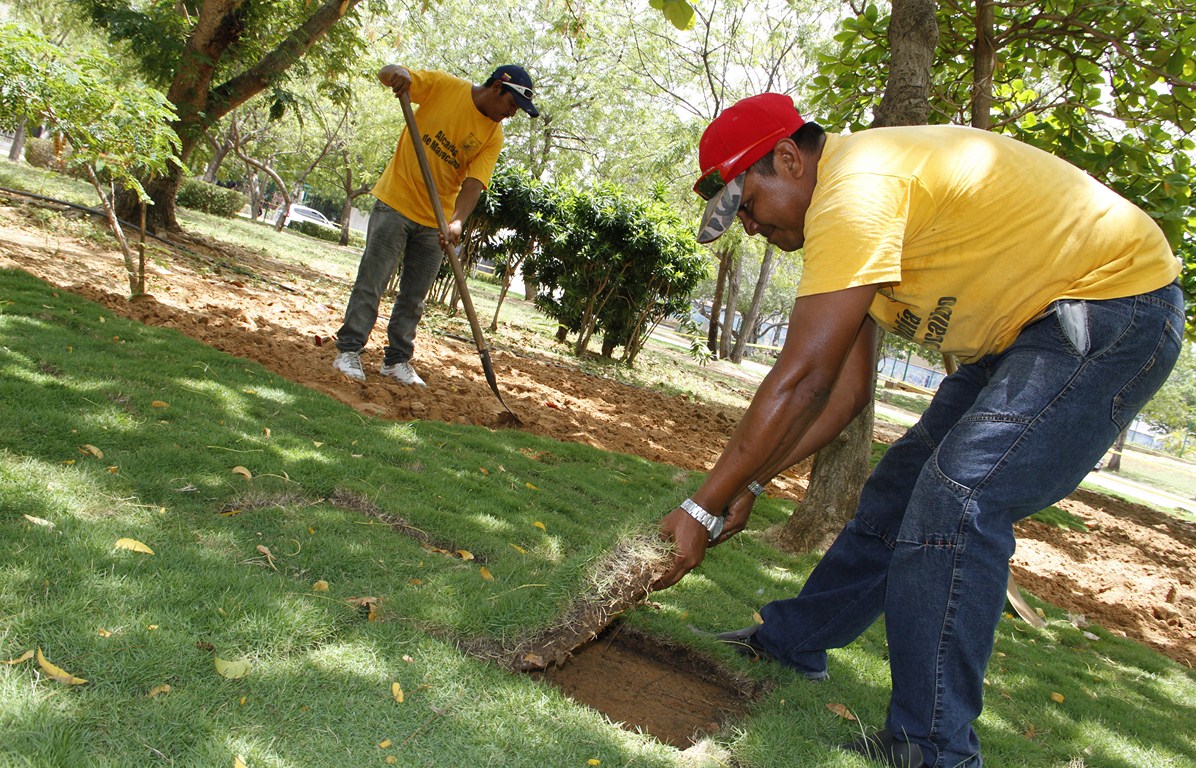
{"x":883,"y":747}
{"x":744,"y":641}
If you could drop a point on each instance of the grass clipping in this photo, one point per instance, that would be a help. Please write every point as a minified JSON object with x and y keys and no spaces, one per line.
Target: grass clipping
{"x":619,"y":582}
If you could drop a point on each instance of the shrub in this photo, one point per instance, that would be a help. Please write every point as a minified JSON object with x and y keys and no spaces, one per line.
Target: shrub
{"x":356,"y":239}
{"x":40,"y":153}
{"x":209,"y":198}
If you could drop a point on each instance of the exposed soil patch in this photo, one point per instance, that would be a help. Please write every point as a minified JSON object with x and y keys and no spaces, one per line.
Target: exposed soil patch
{"x":1133,"y":571}
{"x":640,"y":682}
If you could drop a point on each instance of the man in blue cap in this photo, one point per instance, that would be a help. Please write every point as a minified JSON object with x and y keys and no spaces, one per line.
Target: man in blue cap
{"x":1059,"y":297}
{"x":462,"y":135}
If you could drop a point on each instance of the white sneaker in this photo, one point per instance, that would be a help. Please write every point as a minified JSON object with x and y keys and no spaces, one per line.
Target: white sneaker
{"x":403,"y":373}
{"x":349,"y":363}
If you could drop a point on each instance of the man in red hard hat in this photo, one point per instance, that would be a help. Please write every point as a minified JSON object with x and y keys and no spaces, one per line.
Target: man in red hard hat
{"x":1058,"y":296}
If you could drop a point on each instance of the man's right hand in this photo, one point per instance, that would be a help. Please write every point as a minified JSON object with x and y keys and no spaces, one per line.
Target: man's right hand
{"x":691,"y":539}
{"x":396,"y":78}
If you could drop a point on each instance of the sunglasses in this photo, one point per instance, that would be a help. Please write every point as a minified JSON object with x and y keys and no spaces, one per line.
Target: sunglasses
{"x":522,"y":90}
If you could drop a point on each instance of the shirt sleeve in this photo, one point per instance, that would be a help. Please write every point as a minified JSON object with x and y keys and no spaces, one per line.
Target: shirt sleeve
{"x":855,"y":230}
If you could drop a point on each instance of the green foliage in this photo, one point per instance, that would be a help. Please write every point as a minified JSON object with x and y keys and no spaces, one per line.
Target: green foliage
{"x":1104,"y":84}
{"x":210,"y":198}
{"x":679,"y":12}
{"x":603,"y":262}
{"x":121,"y":131}
{"x":1173,"y":408}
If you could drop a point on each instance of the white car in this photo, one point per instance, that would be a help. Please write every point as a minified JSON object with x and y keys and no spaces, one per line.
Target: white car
{"x":303,"y":213}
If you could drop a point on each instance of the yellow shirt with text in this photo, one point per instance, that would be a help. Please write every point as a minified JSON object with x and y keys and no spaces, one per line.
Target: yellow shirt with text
{"x":459,"y":141}
{"x":970,"y":235}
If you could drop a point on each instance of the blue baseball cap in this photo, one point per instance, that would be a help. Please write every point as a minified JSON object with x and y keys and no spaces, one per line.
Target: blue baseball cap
{"x":516,"y":79}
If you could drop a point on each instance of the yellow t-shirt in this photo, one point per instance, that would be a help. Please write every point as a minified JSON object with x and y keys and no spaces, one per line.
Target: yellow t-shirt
{"x":460,"y":143}
{"x":970,"y":235}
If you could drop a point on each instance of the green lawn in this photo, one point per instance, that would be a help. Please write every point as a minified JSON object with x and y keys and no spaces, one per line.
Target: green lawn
{"x":254,"y":493}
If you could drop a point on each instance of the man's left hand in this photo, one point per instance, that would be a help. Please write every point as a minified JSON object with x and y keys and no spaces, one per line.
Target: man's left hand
{"x":455,"y":228}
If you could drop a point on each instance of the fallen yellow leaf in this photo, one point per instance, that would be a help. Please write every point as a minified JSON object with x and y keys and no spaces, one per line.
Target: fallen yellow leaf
{"x":1057,"y":698}
{"x":239,"y":762}
{"x":530,"y":486}
{"x":103,"y":632}
{"x":320,"y":586}
{"x":40,"y":521}
{"x":232,"y":670}
{"x":484,"y":471}
{"x":392,"y":760}
{"x":159,"y":404}
{"x":266,"y":432}
{"x":266,"y":551}
{"x":534,"y":659}
{"x":759,"y":619}
{"x":245,"y":473}
{"x":62,"y":676}
{"x":92,"y":450}
{"x":385,"y":743}
{"x":593,"y":761}
{"x":841,"y":710}
{"x":486,"y":573}
{"x":69,"y":462}
{"x":152,"y":627}
{"x":396,"y":690}
{"x":540,"y":525}
{"x":133,"y":545}
{"x":464,"y":554}
{"x":316,"y":443}
{"x":158,"y":690}
{"x":415,"y":582}
{"x":112,"y":470}
{"x":26,"y":656}
{"x":519,"y":549}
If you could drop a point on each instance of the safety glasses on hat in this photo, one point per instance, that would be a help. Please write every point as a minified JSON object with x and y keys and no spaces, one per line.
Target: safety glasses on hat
{"x":712,"y":181}
{"x":522,"y":90}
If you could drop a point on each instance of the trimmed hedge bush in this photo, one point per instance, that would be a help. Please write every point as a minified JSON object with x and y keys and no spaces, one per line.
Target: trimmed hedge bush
{"x":209,"y":198}
{"x":356,"y":239}
{"x":40,"y":153}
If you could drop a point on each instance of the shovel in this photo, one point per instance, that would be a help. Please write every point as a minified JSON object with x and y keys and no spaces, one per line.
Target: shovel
{"x":458,"y":273}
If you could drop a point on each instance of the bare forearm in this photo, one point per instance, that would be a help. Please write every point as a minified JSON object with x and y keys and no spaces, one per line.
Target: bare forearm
{"x":467,"y":199}
{"x":781,"y":428}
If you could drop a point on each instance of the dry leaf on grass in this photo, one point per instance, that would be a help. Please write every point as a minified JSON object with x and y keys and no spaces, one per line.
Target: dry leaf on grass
{"x":58,"y":673}
{"x":245,"y":473}
{"x":158,"y":690}
{"x":26,"y":656}
{"x":133,"y":545}
{"x":841,"y":710}
{"x":39,"y":521}
{"x":396,"y":690}
{"x":92,"y":450}
{"x":232,"y":670}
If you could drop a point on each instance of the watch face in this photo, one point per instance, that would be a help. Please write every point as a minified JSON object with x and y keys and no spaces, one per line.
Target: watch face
{"x":717,"y":530}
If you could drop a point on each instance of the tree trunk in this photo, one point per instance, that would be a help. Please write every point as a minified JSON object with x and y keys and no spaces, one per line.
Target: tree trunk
{"x":748,"y":329}
{"x":840,"y":468}
{"x":984,"y":59}
{"x":728,"y":334}
{"x":18,"y":141}
{"x":199,"y":105}
{"x":1114,"y":464}
{"x":716,"y":303}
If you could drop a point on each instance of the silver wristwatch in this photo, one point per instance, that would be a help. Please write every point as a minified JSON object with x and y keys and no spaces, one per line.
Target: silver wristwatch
{"x":712,"y":524}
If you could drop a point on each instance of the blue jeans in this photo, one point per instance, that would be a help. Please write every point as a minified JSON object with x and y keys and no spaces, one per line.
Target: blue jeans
{"x":931,"y":539}
{"x":389,"y":236}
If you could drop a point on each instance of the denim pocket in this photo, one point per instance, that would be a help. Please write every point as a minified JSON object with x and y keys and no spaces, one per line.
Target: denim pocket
{"x":1143,"y":385}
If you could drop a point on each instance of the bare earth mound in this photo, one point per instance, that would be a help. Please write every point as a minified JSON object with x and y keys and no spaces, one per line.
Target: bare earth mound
{"x":1133,"y":571}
